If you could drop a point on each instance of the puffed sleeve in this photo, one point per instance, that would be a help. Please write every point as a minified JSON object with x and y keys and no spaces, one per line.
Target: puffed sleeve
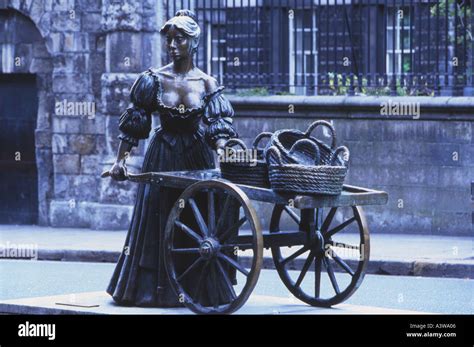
{"x":135,"y":122}
{"x":218,"y":114}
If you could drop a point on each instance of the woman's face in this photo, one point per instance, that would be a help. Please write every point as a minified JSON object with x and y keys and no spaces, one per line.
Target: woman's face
{"x":179,"y":45}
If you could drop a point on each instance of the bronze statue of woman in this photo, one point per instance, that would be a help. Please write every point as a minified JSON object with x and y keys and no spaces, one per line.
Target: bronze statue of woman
{"x":185,"y":98}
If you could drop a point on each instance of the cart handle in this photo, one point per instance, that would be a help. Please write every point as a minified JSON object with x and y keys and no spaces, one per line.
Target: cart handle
{"x":146,"y":177}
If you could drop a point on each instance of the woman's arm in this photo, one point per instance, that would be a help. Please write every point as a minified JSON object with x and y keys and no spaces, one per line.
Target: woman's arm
{"x":123,"y":151}
{"x":135,"y":122}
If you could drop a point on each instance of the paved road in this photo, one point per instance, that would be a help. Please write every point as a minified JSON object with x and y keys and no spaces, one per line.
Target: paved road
{"x":21,"y":279}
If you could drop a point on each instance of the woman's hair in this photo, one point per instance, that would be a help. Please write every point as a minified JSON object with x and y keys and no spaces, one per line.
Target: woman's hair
{"x":185,"y":21}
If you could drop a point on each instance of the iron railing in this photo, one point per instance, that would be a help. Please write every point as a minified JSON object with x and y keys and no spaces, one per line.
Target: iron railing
{"x":331,"y":47}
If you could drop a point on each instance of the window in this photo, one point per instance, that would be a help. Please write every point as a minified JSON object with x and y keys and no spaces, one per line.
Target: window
{"x":303,"y":54}
{"x":398,"y":40}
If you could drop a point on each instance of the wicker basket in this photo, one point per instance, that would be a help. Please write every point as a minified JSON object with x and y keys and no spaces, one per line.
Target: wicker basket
{"x":284,"y":140}
{"x":252,"y":173}
{"x":315,"y":178}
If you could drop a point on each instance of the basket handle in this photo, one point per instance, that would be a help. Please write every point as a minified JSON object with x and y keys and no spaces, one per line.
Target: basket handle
{"x":260,"y":137}
{"x":232,"y":142}
{"x":326,"y":124}
{"x":275,"y":151}
{"x":337,"y":152}
{"x":312,"y":144}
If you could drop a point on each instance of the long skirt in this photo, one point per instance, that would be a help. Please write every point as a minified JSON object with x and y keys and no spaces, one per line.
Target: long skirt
{"x":140,"y":278}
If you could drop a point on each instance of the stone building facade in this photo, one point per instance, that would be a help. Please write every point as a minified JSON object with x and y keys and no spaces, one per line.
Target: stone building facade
{"x":85,"y":55}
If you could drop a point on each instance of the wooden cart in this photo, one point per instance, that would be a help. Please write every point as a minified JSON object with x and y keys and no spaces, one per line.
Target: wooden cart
{"x":301,"y":252}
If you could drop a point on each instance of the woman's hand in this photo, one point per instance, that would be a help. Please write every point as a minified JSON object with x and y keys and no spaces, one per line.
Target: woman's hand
{"x":118,"y":171}
{"x":220,"y":147}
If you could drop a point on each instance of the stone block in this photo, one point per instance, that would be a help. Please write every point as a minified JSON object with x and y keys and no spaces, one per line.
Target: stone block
{"x":124,"y":15}
{"x":67,"y":214}
{"x":94,"y":164}
{"x":66,"y":164}
{"x":454,"y":200}
{"x":40,"y":65}
{"x":406,"y":175}
{"x":66,"y":124}
{"x":124,"y":52}
{"x":120,"y":193}
{"x":71,"y":63}
{"x":76,"y":188}
{"x":110,"y":217}
{"x":43,"y":139}
{"x":54,"y":42}
{"x":92,"y":22}
{"x":116,"y":92}
{"x":71,"y":83}
{"x":454,"y":177}
{"x":76,"y":144}
{"x":455,"y":132}
{"x":66,"y":21}
{"x":63,"y":5}
{"x":453,"y":223}
{"x":83,"y":144}
{"x":76,"y":42}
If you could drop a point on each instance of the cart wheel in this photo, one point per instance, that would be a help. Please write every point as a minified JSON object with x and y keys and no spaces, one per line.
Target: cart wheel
{"x":344,"y":260}
{"x":216,"y":279}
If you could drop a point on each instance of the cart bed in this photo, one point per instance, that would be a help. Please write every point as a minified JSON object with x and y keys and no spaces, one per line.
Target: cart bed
{"x":350,"y":196}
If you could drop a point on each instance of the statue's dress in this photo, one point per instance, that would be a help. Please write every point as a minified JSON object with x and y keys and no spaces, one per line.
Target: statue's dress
{"x":181,"y":142}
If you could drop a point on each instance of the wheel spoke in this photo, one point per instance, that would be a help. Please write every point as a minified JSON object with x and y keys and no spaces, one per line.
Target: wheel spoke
{"x":199,"y":218}
{"x":339,"y":227}
{"x":211,"y":212}
{"x":216,"y":296}
{"x":293,"y":215}
{"x":227,"y":282}
{"x":200,"y":281}
{"x":233,"y":263}
{"x":328,"y":220}
{"x":316,"y":218}
{"x":331,"y":275}
{"x":193,"y":265}
{"x":185,"y":250}
{"x":223,"y":213}
{"x":306,"y":266}
{"x":188,"y":231}
{"x":294,"y":255}
{"x":234,"y":227}
{"x":317,"y":276}
{"x":342,"y":263}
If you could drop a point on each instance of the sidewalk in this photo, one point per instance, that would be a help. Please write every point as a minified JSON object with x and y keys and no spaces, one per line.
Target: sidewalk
{"x":403,"y":255}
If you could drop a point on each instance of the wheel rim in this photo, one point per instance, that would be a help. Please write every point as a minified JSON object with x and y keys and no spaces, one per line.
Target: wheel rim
{"x":322,"y":253}
{"x":215,"y":251}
